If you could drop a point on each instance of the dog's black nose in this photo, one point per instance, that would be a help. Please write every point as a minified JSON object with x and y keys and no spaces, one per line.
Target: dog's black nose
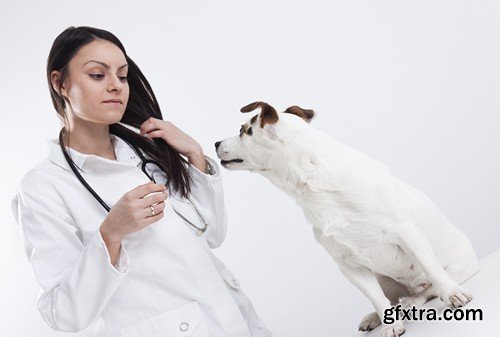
{"x":217,"y":145}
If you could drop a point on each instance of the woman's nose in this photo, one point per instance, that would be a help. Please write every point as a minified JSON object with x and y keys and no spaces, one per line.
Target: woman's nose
{"x":116,"y":84}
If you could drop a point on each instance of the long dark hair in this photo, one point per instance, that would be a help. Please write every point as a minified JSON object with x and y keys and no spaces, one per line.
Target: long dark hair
{"x":142,"y":103}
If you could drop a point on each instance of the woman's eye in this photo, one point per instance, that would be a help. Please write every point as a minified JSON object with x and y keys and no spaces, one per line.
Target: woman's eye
{"x":100,"y":76}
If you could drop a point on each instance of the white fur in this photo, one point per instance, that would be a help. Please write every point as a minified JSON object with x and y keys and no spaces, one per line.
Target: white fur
{"x":388,"y":238}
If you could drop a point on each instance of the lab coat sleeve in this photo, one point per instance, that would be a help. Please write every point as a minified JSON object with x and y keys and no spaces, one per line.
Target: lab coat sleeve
{"x":208,"y":195}
{"x":76,"y":279}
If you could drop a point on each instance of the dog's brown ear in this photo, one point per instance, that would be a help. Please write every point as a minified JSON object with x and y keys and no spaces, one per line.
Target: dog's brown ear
{"x":305,"y":114}
{"x":268,"y":115}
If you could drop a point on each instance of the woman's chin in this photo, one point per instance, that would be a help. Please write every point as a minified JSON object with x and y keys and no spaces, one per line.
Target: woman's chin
{"x":112,"y":117}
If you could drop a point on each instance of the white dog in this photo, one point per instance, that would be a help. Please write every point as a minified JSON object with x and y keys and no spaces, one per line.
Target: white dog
{"x":388,"y":238}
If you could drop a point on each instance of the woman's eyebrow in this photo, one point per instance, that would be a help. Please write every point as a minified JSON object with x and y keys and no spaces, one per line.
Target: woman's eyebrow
{"x":105,"y":65}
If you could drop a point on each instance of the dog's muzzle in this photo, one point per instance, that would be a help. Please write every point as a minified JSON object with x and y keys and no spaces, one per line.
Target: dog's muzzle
{"x":225,"y":162}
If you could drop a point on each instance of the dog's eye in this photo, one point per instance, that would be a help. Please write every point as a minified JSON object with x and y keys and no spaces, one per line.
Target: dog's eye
{"x":249,"y":131}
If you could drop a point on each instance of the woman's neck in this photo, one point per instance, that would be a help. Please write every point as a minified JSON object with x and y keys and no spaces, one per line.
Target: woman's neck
{"x":90,"y":138}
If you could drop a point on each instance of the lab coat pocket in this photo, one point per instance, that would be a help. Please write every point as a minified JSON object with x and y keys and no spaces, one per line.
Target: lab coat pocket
{"x":183,"y":321}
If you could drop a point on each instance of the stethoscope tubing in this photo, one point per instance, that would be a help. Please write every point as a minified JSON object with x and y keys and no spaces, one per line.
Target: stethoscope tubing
{"x":143,"y":167}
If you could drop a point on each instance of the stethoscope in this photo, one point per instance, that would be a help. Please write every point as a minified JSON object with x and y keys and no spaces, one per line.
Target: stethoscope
{"x":145,"y":161}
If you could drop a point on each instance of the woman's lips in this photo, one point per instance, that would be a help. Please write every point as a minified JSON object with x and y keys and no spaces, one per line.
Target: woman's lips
{"x":113,"y":103}
{"x":113,"y":100}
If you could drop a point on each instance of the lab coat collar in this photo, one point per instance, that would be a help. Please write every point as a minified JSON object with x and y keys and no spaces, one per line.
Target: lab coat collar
{"x":124,"y":154}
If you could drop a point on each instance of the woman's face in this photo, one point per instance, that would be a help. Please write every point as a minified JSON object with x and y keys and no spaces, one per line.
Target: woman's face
{"x":97,"y":73}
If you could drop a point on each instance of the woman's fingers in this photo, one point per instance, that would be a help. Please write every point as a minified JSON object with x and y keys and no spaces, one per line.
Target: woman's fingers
{"x":143,"y":190}
{"x":153,"y":198}
{"x":157,"y":134}
{"x":171,"y":134}
{"x":149,"y":124}
{"x":152,"y":124}
{"x":152,"y":218}
{"x":157,"y":209}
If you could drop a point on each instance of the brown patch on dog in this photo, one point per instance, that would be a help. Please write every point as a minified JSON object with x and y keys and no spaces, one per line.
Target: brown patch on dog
{"x":254,"y":118}
{"x":305,"y":114}
{"x":268,"y":115}
{"x":246,"y":129}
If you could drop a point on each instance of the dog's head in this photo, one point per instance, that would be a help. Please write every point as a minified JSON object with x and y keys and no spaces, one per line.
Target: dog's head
{"x":262,"y":136}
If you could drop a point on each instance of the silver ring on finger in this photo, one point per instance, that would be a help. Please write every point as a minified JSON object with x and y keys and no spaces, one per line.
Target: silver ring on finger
{"x":152,"y":208}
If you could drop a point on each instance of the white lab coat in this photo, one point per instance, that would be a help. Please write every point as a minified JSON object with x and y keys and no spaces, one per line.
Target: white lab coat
{"x":166,"y":282}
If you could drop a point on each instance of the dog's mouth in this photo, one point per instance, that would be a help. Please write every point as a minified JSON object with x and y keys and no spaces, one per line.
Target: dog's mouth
{"x":227,"y":162}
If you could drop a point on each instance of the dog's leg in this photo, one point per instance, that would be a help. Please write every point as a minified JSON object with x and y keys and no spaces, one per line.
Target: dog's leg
{"x":460,"y":269}
{"x":369,"y":322}
{"x":464,"y":264}
{"x":414,"y":242}
{"x":393,"y":290}
{"x":366,"y":281}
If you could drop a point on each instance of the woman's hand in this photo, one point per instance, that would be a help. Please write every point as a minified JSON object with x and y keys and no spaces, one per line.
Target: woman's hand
{"x":175,"y":137}
{"x":132,"y":212}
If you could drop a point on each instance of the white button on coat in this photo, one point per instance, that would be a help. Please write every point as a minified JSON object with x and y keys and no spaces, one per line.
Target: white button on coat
{"x":166,"y":282}
{"x":184,"y":326}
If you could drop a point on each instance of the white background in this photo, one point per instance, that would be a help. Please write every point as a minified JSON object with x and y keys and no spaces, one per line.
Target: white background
{"x":415,"y":84}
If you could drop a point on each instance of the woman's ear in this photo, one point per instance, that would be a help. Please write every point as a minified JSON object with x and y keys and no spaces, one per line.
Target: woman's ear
{"x":54,"y":80}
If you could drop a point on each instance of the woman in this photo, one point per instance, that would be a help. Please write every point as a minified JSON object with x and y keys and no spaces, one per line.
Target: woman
{"x":117,"y":224}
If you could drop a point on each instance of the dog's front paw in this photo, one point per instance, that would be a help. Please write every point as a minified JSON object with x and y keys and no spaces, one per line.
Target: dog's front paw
{"x":394,"y":330}
{"x":459,"y":298}
{"x":369,"y":322}
{"x":456,"y":297}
